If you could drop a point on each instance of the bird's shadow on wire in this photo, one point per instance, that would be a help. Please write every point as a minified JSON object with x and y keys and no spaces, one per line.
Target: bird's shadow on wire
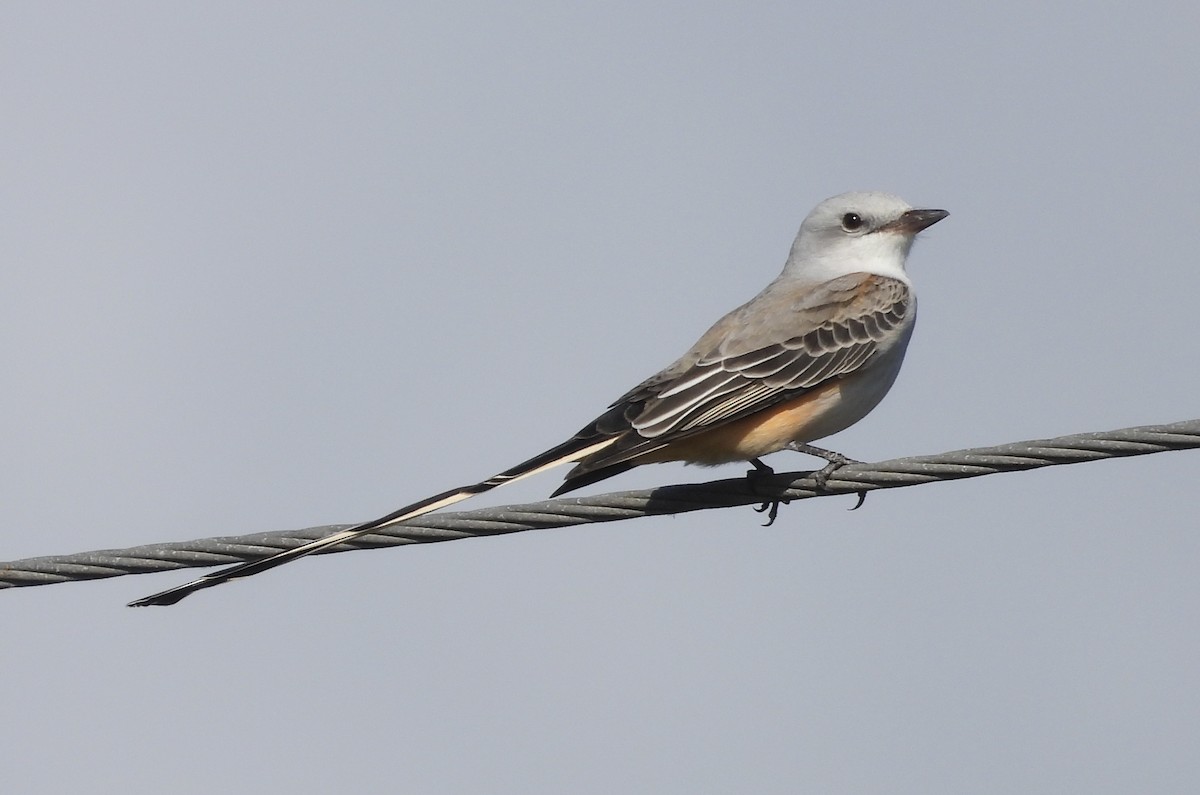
{"x":766,"y":491}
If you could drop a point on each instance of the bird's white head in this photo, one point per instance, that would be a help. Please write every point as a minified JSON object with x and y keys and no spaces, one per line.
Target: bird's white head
{"x":865,"y":232}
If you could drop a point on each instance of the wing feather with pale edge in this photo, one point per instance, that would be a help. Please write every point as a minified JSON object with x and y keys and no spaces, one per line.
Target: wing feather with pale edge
{"x":778,"y":346}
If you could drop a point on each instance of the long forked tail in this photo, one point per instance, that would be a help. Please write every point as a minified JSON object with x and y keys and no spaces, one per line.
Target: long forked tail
{"x":568,"y":451}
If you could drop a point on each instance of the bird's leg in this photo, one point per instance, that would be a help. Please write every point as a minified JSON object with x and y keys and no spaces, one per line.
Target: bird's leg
{"x":760,"y":469}
{"x":835,"y":462}
{"x":771,"y":507}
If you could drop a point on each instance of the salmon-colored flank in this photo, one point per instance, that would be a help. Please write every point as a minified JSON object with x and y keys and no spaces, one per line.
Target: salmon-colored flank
{"x":762,"y":432}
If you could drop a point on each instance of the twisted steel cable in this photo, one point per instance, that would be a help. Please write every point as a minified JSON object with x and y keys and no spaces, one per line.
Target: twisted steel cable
{"x":850,"y":479}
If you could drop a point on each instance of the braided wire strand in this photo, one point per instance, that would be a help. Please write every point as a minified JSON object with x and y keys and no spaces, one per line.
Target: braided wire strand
{"x":850,"y":479}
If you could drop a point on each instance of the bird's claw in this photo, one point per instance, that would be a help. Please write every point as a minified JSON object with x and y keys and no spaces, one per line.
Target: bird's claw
{"x":821,"y":477}
{"x":771,"y":508}
{"x":835,"y":462}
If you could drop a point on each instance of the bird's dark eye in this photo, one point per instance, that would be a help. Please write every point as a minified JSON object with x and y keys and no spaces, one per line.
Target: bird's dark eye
{"x":852,"y":222}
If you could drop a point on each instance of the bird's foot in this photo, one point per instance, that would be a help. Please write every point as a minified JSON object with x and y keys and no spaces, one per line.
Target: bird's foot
{"x":770,"y":507}
{"x":835,"y":462}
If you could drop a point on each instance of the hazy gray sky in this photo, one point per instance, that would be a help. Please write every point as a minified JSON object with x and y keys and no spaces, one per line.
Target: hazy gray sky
{"x":269,"y":266}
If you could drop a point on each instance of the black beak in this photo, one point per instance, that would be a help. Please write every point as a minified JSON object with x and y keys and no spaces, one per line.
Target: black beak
{"x":914,"y":221}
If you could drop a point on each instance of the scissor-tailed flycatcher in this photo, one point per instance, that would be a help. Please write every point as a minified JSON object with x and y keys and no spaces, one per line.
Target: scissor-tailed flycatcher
{"x":807,"y":357}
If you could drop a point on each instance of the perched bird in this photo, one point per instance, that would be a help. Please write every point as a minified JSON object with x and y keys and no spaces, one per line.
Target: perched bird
{"x":807,"y":357}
